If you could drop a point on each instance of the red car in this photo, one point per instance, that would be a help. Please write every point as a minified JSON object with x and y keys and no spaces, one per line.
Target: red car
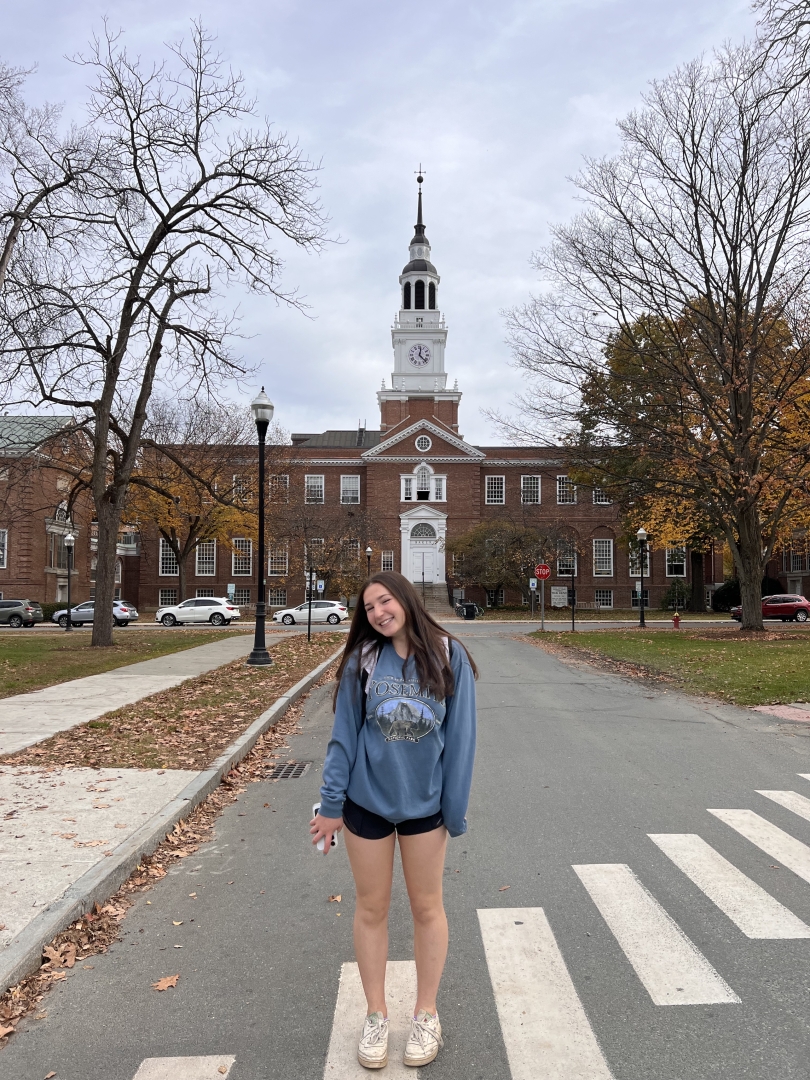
{"x":787,"y":607}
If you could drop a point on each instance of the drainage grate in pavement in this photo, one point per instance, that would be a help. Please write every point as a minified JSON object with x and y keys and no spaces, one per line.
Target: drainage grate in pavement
{"x":289,"y":770}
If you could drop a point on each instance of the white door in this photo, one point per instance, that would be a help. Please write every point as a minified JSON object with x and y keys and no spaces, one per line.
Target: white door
{"x":423,"y":564}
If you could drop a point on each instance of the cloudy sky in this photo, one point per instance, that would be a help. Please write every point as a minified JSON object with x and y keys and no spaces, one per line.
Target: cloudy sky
{"x":499,"y":102}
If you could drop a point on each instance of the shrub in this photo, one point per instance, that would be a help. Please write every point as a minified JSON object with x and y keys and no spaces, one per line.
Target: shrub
{"x":676,"y":597}
{"x":728,"y":595}
{"x":49,"y":609}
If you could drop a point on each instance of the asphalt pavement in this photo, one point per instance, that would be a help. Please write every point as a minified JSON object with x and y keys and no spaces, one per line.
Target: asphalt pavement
{"x":581,"y":948}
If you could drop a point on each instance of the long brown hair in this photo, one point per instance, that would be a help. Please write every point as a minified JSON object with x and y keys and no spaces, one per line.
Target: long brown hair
{"x":425,"y":637}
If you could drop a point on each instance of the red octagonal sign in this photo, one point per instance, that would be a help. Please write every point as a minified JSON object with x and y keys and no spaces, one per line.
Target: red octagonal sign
{"x":542,"y":571}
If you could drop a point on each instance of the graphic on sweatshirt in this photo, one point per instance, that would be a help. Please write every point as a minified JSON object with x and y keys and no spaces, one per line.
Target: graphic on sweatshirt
{"x":401,"y":719}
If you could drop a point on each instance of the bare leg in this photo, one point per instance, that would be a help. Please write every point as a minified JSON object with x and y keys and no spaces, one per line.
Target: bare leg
{"x":423,"y":864}
{"x":372,"y":863}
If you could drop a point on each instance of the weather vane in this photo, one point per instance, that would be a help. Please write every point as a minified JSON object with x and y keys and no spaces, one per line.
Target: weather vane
{"x":419,"y":175}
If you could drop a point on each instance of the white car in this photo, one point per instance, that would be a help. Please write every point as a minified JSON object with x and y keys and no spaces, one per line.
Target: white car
{"x":322,"y":611}
{"x":217,"y":610}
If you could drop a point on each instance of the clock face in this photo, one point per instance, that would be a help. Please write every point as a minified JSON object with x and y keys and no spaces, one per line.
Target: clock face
{"x":419,"y":355}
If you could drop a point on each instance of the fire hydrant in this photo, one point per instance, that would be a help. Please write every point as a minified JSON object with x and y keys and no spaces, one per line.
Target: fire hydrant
{"x":676,"y":621}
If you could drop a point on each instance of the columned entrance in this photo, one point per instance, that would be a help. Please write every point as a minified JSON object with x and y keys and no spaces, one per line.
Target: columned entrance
{"x":423,"y":531}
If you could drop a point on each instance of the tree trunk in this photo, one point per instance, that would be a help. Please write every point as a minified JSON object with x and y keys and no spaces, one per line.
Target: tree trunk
{"x":109,"y":520}
{"x":698,"y":600}
{"x":181,"y":569}
{"x":750,"y":568}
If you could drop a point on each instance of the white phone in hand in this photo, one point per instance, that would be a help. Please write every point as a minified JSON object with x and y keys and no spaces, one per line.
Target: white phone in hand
{"x":322,"y":841}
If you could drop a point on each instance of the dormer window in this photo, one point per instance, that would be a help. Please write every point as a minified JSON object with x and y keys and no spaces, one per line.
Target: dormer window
{"x":406,"y":296}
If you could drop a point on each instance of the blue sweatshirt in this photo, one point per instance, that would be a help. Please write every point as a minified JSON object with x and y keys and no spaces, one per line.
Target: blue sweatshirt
{"x":401,"y":753}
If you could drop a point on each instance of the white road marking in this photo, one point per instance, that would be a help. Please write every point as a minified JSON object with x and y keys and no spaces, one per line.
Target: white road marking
{"x":781,"y":846}
{"x":350,"y":1012}
{"x":752,"y":909}
{"x":544,"y":1026}
{"x":185,"y":1068}
{"x":804,"y":775}
{"x":791,"y":800}
{"x":670,"y":966}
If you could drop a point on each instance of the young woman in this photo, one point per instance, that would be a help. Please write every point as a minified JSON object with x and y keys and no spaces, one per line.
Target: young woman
{"x":399,"y":764}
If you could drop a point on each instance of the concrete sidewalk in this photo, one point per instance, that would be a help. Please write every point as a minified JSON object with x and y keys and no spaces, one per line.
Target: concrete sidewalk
{"x":30,"y":718}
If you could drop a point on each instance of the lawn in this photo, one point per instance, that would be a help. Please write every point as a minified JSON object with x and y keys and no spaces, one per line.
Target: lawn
{"x":594,"y":615}
{"x":29,"y":661}
{"x":763,"y":669}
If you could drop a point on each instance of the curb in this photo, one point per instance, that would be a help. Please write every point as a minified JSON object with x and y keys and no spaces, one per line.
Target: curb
{"x":24,"y":954}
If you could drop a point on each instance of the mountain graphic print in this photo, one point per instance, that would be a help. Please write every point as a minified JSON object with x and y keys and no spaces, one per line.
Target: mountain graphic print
{"x":404,"y":719}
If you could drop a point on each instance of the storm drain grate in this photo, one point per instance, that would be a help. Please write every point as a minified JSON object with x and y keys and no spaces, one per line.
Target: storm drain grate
{"x":289,"y":770}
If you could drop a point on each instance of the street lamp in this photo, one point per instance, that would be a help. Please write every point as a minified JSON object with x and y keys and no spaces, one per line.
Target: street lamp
{"x":369,"y":553}
{"x":641,"y":536}
{"x":262,"y":409}
{"x":69,"y":541}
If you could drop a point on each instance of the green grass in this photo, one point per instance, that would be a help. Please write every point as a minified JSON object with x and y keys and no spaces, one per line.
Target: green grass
{"x":764,"y":670}
{"x":32,"y":660}
{"x":592,"y":615}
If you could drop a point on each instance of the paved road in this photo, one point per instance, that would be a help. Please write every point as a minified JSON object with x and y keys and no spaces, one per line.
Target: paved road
{"x":680,"y":959}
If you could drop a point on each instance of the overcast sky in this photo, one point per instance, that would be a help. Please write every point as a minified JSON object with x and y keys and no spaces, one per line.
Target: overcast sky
{"x":499,"y":102}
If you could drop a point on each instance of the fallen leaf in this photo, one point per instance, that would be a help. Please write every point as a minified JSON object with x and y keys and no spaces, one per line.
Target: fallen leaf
{"x":167,"y":983}
{"x":177,"y":923}
{"x":2,"y":926}
{"x":50,"y":1076}
{"x":73,"y":819}
{"x":5,"y":1031}
{"x":503,"y":888}
{"x":223,"y":1069}
{"x":58,"y":975}
{"x":40,"y":1016}
{"x":66,"y":835}
{"x":120,"y":826}
{"x":335,"y":899}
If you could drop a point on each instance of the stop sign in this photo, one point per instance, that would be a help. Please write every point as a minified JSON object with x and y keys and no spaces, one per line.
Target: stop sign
{"x":542,"y":571}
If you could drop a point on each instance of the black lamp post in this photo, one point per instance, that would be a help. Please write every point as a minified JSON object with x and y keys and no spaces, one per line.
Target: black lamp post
{"x":641,"y":536}
{"x":262,"y":409}
{"x":69,"y":540}
{"x":369,"y":553}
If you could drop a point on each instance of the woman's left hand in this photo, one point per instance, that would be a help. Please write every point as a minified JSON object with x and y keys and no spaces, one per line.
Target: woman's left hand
{"x":325,"y":827}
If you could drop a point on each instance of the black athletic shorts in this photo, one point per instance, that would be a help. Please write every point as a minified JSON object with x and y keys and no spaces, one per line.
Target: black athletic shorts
{"x":371,"y":826}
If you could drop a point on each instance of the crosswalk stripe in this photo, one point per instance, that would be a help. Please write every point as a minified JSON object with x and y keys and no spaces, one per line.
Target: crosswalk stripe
{"x":752,"y":909}
{"x":545,"y":1029}
{"x":350,"y":1011}
{"x":791,"y":800}
{"x":670,"y":966}
{"x":786,"y":849}
{"x":804,"y":775}
{"x":185,"y":1068}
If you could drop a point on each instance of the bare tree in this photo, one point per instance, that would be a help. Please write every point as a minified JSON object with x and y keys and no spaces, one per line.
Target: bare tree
{"x":673,"y":340}
{"x":189,"y":203}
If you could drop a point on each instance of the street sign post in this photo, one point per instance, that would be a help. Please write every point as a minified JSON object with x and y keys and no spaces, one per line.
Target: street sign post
{"x":533,"y":588}
{"x":543,"y":571}
{"x":320,"y":585}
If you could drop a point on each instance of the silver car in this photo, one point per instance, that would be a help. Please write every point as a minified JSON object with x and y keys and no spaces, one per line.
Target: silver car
{"x":330,"y":611}
{"x":123,"y":613}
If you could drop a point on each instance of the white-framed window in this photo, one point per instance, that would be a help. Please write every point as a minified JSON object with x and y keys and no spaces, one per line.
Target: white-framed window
{"x":58,"y":552}
{"x":206,"y":562}
{"x":407,"y":489}
{"x":796,"y":561}
{"x":203,"y":593}
{"x":635,"y":562}
{"x":278,"y":487}
{"x":313,"y":488}
{"x":603,"y":558}
{"x":600,"y":498}
{"x":603,"y":598}
{"x":168,"y":560}
{"x":566,"y":558}
{"x":423,"y":483}
{"x":495,"y":596}
{"x":634,"y":598}
{"x":241,"y":488}
{"x":241,"y":596}
{"x":530,"y":489}
{"x":423,"y":486}
{"x":278,"y":561}
{"x":423,"y":443}
{"x":242,"y":557}
{"x":350,"y":489}
{"x":350,"y":551}
{"x":167,"y":597}
{"x":387,"y":560}
{"x":3,"y":549}
{"x":676,"y":561}
{"x":313,"y":553}
{"x":438,"y":489}
{"x":566,"y":491}
{"x":276,"y":597}
{"x":495,"y":490}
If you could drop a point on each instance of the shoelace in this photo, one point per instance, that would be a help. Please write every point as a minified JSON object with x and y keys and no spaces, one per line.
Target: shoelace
{"x":375,"y":1033}
{"x":421,"y":1028}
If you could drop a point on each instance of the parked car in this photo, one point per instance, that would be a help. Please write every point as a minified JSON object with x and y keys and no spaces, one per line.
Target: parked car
{"x":787,"y":607}
{"x":20,"y":613}
{"x":217,"y":610}
{"x":123,"y":613}
{"x":322,"y":611}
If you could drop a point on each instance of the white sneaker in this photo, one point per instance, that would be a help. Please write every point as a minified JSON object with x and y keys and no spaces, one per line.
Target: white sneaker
{"x":372,"y":1052}
{"x":425,"y":1039}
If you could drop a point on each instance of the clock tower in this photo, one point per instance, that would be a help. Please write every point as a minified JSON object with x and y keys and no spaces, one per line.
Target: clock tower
{"x":419,"y":336}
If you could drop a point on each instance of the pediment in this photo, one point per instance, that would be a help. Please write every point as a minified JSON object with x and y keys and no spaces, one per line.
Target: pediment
{"x":423,"y":512}
{"x":399,"y":447}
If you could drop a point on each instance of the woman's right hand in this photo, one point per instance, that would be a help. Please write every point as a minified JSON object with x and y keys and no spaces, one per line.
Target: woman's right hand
{"x":325,"y":827}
